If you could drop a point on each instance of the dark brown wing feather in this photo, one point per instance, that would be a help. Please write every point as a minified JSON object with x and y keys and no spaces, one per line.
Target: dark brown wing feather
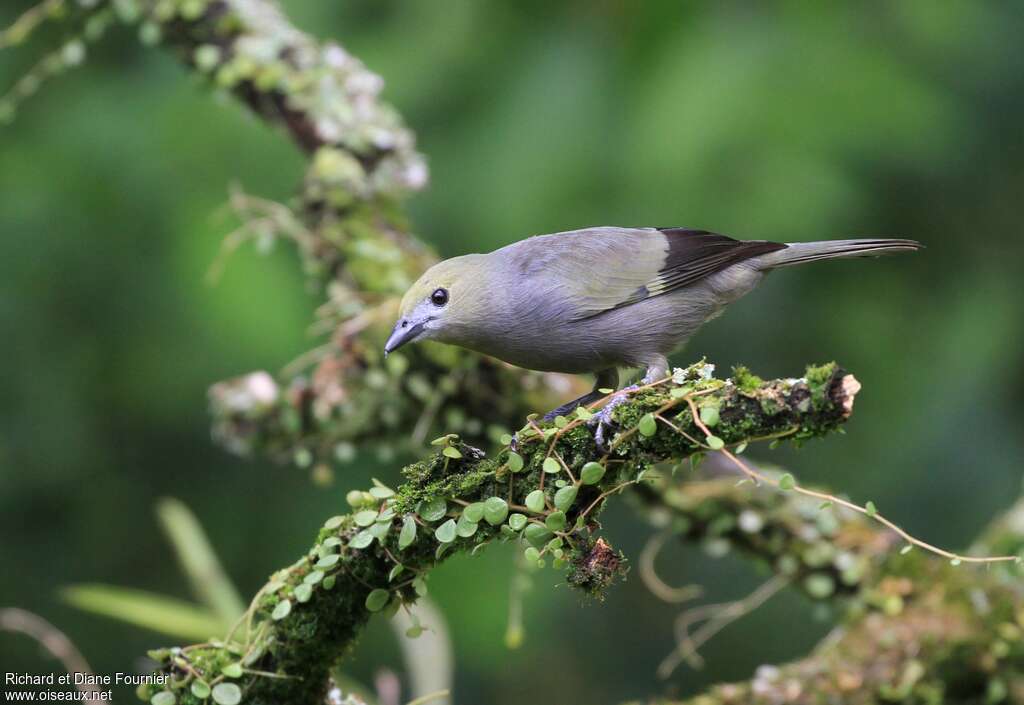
{"x":696,"y":254}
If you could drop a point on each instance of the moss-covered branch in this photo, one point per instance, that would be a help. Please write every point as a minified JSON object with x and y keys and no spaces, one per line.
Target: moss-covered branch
{"x":546,"y":495}
{"x":914,"y":627}
{"x":926,"y":632}
{"x":825,"y":553}
{"x":354,"y":242}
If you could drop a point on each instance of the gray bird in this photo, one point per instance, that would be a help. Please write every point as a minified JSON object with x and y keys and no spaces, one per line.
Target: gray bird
{"x":598,"y":299}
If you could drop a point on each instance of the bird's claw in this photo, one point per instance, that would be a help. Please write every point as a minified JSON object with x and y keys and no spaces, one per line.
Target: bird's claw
{"x":602,"y":421}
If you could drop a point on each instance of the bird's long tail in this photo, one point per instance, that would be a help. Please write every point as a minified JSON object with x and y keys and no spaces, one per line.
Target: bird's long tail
{"x":800,"y":252}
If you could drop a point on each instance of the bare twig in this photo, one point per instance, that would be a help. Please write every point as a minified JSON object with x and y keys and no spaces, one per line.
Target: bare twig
{"x":13,"y":619}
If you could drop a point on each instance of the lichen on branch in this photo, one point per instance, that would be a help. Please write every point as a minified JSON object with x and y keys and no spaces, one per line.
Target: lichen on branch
{"x":923,"y":631}
{"x":545,"y":495}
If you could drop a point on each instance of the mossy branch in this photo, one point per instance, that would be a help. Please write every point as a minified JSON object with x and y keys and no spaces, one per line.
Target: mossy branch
{"x":914,"y":626}
{"x":923,"y":631}
{"x":344,"y":220}
{"x":545,"y":495}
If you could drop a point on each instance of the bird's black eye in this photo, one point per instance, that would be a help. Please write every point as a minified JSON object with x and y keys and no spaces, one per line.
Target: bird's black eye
{"x":439,"y":297}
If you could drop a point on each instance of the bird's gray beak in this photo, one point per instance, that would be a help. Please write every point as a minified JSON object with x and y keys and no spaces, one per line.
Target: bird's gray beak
{"x":405,"y":332}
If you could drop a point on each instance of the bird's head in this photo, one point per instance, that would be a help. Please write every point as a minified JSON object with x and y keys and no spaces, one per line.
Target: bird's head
{"x":443,"y":304}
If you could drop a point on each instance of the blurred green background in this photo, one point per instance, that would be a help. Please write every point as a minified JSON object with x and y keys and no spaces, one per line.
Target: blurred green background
{"x":786,"y":121}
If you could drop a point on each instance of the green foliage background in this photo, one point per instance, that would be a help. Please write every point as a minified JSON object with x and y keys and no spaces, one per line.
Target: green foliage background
{"x":784,"y":121}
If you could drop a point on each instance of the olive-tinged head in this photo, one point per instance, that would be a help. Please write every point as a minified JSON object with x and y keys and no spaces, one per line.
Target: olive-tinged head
{"x":440,"y":301}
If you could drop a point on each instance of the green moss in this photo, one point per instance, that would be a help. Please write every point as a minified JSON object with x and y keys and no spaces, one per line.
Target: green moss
{"x":818,"y":376}
{"x":745,"y":380}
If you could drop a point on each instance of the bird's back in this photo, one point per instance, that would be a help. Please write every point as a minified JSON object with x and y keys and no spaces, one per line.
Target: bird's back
{"x":583,"y":299}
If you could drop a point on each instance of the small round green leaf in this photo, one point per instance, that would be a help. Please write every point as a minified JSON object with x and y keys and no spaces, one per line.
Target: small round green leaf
{"x":715,"y":443}
{"x":531,"y":554}
{"x":361,"y":540}
{"x":200,"y":689}
{"x":332,"y":559}
{"x":648,"y":426}
{"x":232,"y":670}
{"x":565,"y":497}
{"x":408,"y":533}
{"x":377,"y":600}
{"x":474,"y":512}
{"x":786,"y":482}
{"x":164,"y":697}
{"x":465,"y":528}
{"x":514,"y":462}
{"x":709,"y":415}
{"x":333,"y":522}
{"x":537,"y":534}
{"x":452,"y":452}
{"x":517,"y":521}
{"x":227,"y":694}
{"x":303,"y":592}
{"x":495,"y":510}
{"x":551,"y":465}
{"x":281,"y":610}
{"x":381,"y":492}
{"x":446,"y":532}
{"x":366,"y":517}
{"x":535,"y":501}
{"x":870,"y":509}
{"x":395,"y":572}
{"x":555,"y":521}
{"x":380,"y":530}
{"x":591,"y":473}
{"x":433,"y":509}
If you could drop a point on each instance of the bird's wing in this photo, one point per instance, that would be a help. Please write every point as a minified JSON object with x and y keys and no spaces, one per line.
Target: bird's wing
{"x":599,"y":269}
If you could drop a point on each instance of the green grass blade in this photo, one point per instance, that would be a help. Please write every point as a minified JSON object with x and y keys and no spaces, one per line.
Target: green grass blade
{"x":166,"y":615}
{"x":198,"y":560}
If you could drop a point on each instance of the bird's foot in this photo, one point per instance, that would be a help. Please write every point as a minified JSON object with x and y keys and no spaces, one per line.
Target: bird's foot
{"x":602,"y":421}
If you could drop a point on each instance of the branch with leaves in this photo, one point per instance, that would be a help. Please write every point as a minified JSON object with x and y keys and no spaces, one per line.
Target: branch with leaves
{"x":546,"y":496}
{"x":344,"y":220}
{"x":915,"y":626}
